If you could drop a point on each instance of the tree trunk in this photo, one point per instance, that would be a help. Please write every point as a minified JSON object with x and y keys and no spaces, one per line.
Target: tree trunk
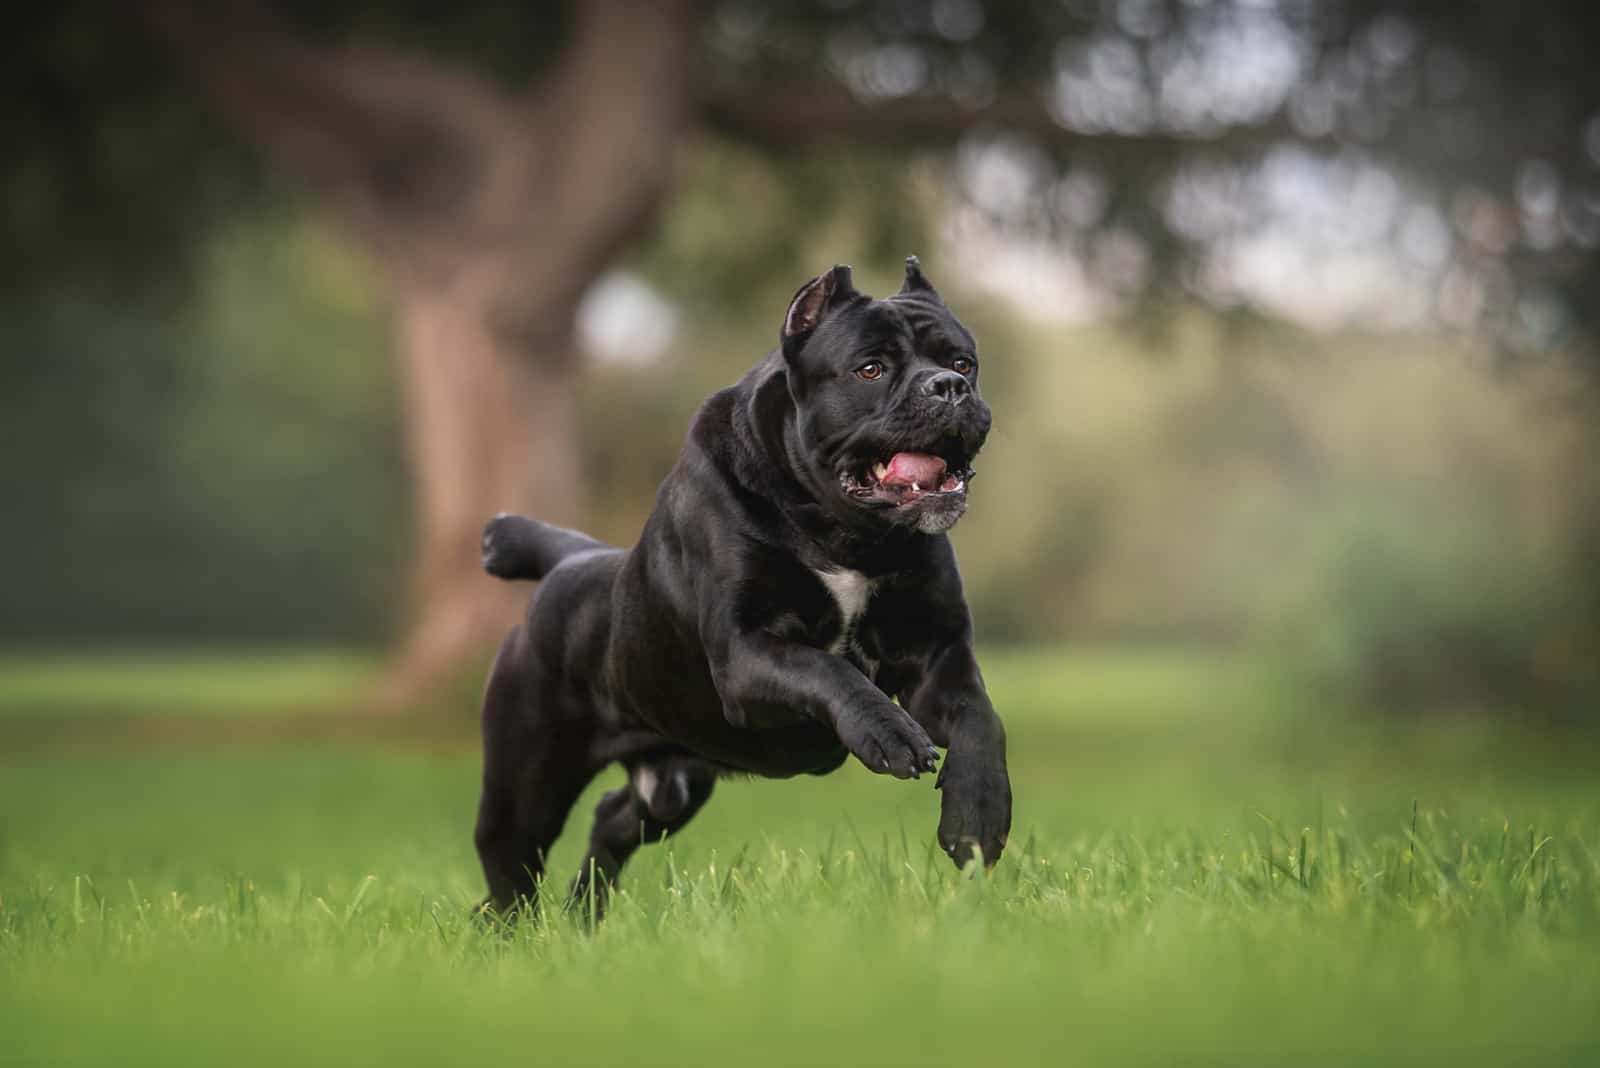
{"x":489,"y":212}
{"x":492,"y":425}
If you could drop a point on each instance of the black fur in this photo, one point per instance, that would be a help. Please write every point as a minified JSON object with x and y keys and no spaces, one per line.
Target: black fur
{"x":714,"y":645}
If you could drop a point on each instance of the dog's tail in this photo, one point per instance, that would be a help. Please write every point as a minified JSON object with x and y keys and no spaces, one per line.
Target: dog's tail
{"x":515,"y":547}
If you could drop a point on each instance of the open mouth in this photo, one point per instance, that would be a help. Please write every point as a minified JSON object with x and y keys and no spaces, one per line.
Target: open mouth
{"x":904,"y":478}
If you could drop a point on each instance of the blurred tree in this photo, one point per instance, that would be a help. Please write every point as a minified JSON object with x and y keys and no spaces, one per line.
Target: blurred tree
{"x":493,"y":160}
{"x":489,"y":211}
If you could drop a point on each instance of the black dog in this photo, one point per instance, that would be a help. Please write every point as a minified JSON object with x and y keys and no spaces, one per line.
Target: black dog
{"x":793,"y":580}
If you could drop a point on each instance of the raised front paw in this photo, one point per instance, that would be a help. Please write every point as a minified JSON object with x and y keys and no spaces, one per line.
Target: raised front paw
{"x":975,"y":813}
{"x":888,"y":741}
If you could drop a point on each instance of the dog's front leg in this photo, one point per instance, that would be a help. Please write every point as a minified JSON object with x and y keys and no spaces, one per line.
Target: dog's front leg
{"x":950,"y":701}
{"x":765,"y":680}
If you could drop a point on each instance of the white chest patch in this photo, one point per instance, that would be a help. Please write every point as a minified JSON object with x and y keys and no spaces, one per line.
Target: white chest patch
{"x":851,"y":590}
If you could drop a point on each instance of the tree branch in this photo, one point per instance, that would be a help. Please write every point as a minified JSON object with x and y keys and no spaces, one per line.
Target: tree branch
{"x":783,"y":118}
{"x":442,"y":175}
{"x":383,"y":134}
{"x":614,"y":110}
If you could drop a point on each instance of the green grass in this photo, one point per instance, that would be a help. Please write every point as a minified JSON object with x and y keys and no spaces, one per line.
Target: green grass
{"x":213,"y":683}
{"x":1202,"y":871}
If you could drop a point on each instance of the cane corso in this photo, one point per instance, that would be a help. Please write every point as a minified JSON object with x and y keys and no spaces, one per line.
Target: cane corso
{"x":793,"y":600}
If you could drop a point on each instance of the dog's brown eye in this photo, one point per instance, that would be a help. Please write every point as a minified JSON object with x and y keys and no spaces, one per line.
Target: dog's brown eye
{"x":869,"y":371}
{"x":962,"y":365}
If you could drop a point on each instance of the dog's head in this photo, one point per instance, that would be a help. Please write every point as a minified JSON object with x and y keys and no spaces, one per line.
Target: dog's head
{"x":889,"y":416}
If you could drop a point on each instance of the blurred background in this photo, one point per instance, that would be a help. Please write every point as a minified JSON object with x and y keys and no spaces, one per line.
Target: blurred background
{"x":1288,"y":313}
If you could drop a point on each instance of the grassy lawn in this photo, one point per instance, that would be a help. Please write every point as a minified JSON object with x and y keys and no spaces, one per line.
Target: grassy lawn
{"x":57,"y":685}
{"x":1205,"y":868}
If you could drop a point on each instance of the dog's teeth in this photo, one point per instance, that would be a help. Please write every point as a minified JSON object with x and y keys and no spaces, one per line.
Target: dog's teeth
{"x":916,"y":487}
{"x":880,"y":471}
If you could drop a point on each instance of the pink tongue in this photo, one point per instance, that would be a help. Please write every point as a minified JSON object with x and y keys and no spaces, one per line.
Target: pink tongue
{"x":908,"y":467}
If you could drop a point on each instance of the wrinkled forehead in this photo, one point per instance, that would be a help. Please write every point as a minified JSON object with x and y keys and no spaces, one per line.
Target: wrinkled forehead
{"x":929,"y":322}
{"x":924,"y":324}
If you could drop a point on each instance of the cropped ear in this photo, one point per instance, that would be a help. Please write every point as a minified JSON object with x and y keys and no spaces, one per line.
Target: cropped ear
{"x":816,"y":298}
{"x":916,"y":281}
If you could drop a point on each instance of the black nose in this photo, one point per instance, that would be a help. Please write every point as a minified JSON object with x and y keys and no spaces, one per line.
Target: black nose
{"x":947,"y":386}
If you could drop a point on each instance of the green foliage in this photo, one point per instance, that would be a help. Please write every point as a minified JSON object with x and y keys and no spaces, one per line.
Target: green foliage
{"x":1454,"y":569}
{"x":1403,"y":620}
{"x":1399,"y":521}
{"x":114,"y":177}
{"x":1199,"y":873}
{"x":233,"y":472}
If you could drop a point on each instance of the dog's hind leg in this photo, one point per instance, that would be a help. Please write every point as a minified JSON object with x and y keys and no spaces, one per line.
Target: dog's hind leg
{"x":536,"y":763}
{"x":661,"y":796}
